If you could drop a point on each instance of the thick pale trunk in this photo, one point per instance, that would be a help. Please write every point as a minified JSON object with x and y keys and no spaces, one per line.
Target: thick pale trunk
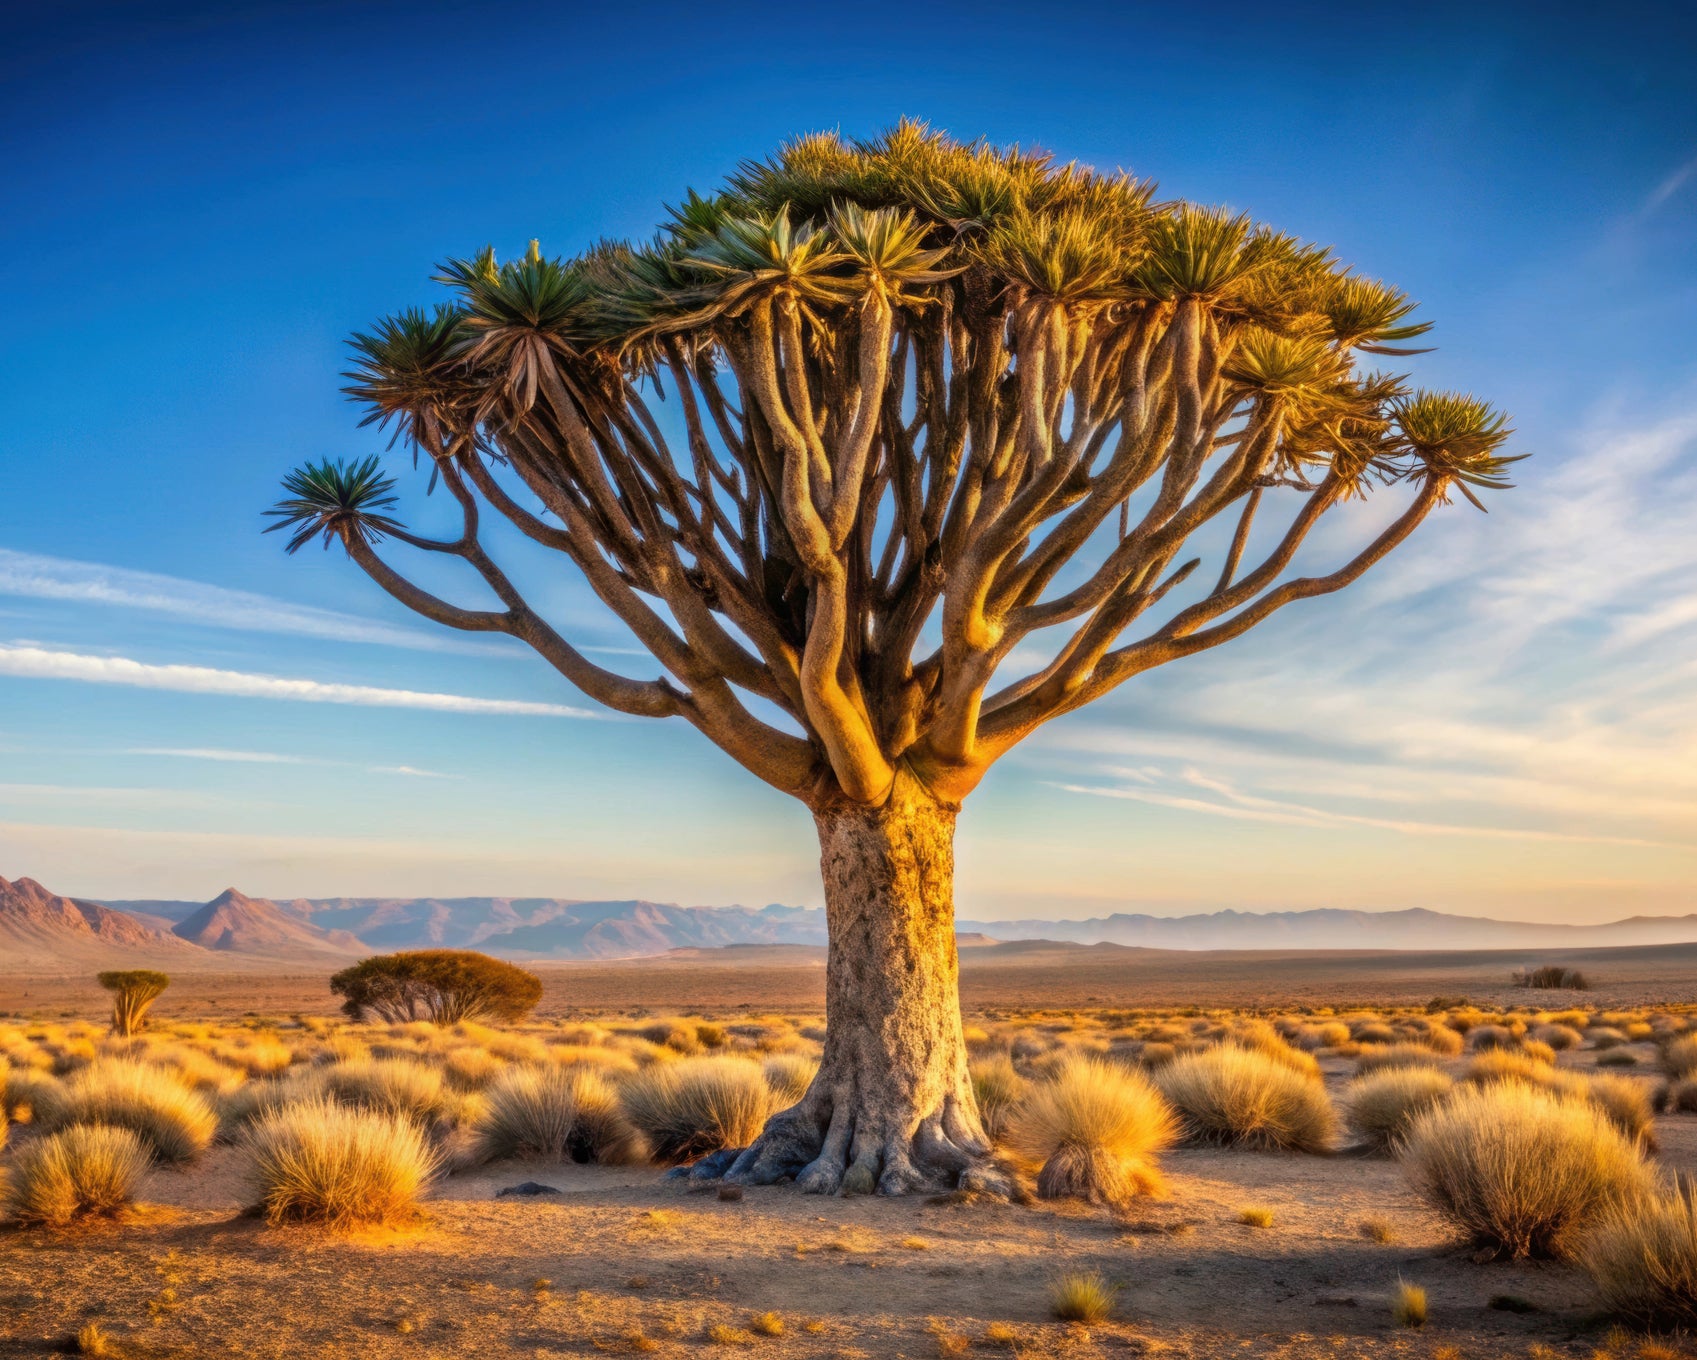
{"x":892,"y":1108}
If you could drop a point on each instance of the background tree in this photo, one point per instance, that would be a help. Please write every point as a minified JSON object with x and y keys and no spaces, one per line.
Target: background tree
{"x":133,"y":991}
{"x":840,"y":439}
{"x":441,"y":985}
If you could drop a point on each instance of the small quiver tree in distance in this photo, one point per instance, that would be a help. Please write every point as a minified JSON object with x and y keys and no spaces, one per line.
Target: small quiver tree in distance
{"x":848,"y":440}
{"x":133,"y":991}
{"x":441,"y":985}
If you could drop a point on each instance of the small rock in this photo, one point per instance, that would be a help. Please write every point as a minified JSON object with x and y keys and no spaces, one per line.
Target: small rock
{"x":527,"y":1189}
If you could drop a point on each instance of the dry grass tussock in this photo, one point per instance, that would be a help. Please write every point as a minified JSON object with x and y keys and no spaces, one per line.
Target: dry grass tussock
{"x":174,"y":1122}
{"x":1095,"y":1130}
{"x":1086,"y":1297}
{"x":1642,"y":1257}
{"x":999,"y":1087}
{"x":1234,"y":1095}
{"x":558,"y":1114}
{"x":82,"y":1171}
{"x":1381,"y":1106}
{"x":320,"y":1162}
{"x":1522,"y":1171}
{"x":694,"y":1106}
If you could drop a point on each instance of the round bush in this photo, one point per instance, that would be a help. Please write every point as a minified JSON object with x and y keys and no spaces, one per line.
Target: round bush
{"x":174,"y":1122}
{"x":1383,"y":1104}
{"x":1232,"y":1095}
{"x":321,"y":1162}
{"x":84,"y":1170}
{"x":1095,"y":1130}
{"x":694,"y":1106}
{"x":558,"y":1114}
{"x":1522,"y":1171}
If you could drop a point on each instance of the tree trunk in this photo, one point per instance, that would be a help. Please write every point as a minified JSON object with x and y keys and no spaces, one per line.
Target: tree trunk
{"x":892,"y":1107}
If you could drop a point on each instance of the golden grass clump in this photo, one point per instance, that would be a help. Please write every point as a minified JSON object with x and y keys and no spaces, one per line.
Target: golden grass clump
{"x":321,"y":1162}
{"x":33,"y":1096}
{"x":1387,"y":1056}
{"x":1627,"y":1103}
{"x":999,"y":1088}
{"x":1559,"y":1037}
{"x":400,"y":1086}
{"x":1679,"y":1058}
{"x":559,"y":1114}
{"x":1408,"y":1305}
{"x":694,"y":1106}
{"x":1642,"y":1257}
{"x":1234,"y":1095}
{"x":1522,"y":1171}
{"x":84,"y":1170}
{"x":1381,"y":1105}
{"x":174,"y":1122}
{"x":788,"y":1075}
{"x":1095,"y":1129}
{"x":1082,"y":1297}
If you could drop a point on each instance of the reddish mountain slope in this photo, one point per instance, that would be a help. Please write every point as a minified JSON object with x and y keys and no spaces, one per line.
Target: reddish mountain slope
{"x":40,"y":929}
{"x":235,"y":923}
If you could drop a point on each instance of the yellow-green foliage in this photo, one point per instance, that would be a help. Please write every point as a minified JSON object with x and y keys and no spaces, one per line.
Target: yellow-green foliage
{"x":695,"y":1106}
{"x":327,"y":1163}
{"x":1234,"y":1095}
{"x":556,"y":1113}
{"x":1408,"y":1305}
{"x":83,"y":1170}
{"x":174,"y":1122}
{"x":1381,"y":1105}
{"x":1084,"y":1297}
{"x":1094,"y":1130}
{"x":1522,"y":1171}
{"x":999,"y":1088}
{"x":1642,"y":1257}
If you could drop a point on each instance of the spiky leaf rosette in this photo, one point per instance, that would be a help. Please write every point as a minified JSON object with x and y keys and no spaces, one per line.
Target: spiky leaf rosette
{"x":338,"y":500}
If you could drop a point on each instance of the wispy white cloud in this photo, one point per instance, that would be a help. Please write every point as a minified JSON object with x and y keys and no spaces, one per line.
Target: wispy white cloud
{"x":34,"y":576}
{"x":219,"y":754}
{"x":40,"y":664}
{"x":1670,"y":185}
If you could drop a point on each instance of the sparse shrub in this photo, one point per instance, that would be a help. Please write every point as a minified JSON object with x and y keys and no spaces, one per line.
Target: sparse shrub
{"x":1627,"y":1104}
{"x":84,"y":1170}
{"x":33,"y":1096}
{"x":1443,"y":1040}
{"x":133,"y":991}
{"x":1678,"y":1097}
{"x":1231,"y":1095}
{"x":1255,"y":1216}
{"x":93,"y":1340}
{"x":1606,"y":1037}
{"x":1373,"y":1032}
{"x":1553,"y":977}
{"x":788,"y":1075}
{"x":472,"y":1068}
{"x":174,"y":1122}
{"x":321,"y":1162}
{"x":1381,"y":1105}
{"x":1643,"y":1259}
{"x":999,"y":1089}
{"x":557,"y":1113}
{"x":1154,"y":1054}
{"x":1408,"y":1305}
{"x":1379,"y":1230}
{"x":1524,"y":1172}
{"x":1501,"y":1065}
{"x":1082,"y":1297}
{"x":1095,"y":1129}
{"x":1617,"y":1057}
{"x":444,"y":986}
{"x":1482,"y":1037}
{"x":766,"y":1324}
{"x":694,"y":1106}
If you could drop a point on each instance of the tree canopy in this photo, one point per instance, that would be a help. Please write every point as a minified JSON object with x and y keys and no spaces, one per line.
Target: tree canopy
{"x":441,"y":985}
{"x":133,"y":991}
{"x":878,"y":422}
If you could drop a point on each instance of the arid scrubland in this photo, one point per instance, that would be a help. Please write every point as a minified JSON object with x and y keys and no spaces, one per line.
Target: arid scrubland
{"x":1448,"y":1181}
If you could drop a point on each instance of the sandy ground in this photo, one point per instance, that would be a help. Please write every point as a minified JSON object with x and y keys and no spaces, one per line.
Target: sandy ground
{"x":1022,"y":976}
{"x":625,"y":1261}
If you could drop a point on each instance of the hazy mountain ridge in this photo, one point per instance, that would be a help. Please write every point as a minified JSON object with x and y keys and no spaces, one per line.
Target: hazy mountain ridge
{"x":37,"y":928}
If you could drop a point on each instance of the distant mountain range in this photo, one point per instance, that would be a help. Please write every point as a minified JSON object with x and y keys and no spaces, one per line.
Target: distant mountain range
{"x":41,"y":930}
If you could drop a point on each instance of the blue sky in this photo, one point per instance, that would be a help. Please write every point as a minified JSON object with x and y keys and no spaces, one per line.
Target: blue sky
{"x":203,"y":202}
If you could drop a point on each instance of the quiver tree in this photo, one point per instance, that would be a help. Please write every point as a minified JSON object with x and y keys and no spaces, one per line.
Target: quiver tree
{"x":445,"y":986}
{"x":133,"y":991}
{"x":838,"y":441}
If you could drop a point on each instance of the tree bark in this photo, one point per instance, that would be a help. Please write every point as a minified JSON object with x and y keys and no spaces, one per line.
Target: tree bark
{"x":892,"y":1108}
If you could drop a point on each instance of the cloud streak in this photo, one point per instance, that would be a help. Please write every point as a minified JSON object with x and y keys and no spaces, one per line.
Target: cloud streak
{"x":36,"y":663}
{"x":34,"y":576}
{"x":221,"y":755}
